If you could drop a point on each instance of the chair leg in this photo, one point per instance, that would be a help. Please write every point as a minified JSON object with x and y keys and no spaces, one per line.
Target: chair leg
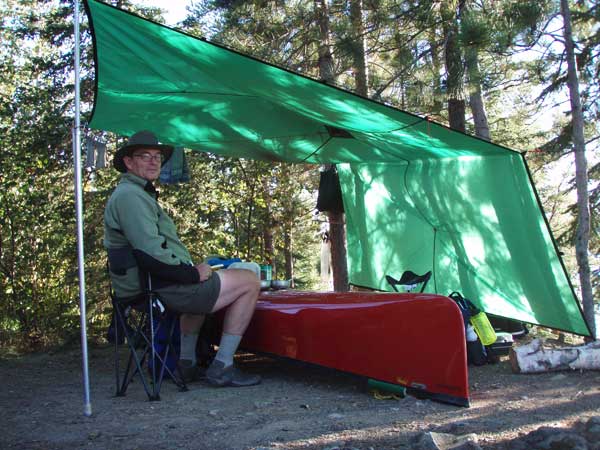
{"x":164,"y":368}
{"x":117,"y":320}
{"x":141,"y":338}
{"x":137,"y":358}
{"x":154,"y":395}
{"x":168,"y":324}
{"x":120,"y":324}
{"x":135,"y":338}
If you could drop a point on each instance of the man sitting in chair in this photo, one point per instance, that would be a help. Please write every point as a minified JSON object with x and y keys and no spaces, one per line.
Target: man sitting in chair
{"x":143,"y":236}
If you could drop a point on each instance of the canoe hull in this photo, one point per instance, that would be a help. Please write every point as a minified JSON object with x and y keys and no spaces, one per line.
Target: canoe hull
{"x":413,"y":340}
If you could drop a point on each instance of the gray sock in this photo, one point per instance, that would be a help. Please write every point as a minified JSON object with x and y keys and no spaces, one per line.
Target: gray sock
{"x":227,"y":347}
{"x":188,"y":347}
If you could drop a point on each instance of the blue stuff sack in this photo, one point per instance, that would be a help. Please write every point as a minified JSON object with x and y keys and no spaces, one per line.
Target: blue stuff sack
{"x":160,"y":341}
{"x":226,"y":262}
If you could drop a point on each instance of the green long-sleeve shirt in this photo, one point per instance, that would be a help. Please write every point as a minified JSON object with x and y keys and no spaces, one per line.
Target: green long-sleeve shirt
{"x":135,"y":225}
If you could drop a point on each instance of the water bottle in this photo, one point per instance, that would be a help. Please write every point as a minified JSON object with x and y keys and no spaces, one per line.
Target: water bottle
{"x":266,"y":272}
{"x":470,"y":334}
{"x":483,"y":328}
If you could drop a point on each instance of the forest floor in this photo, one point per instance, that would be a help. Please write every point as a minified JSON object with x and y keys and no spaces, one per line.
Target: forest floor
{"x":298,"y":406}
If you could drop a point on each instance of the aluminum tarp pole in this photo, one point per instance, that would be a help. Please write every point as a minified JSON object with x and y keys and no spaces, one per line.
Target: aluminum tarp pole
{"x":87,"y":405}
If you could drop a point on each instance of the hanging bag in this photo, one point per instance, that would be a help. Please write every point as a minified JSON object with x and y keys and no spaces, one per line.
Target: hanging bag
{"x":330,"y":192}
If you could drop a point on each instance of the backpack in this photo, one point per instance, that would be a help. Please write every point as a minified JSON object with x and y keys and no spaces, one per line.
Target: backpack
{"x":477,"y":353}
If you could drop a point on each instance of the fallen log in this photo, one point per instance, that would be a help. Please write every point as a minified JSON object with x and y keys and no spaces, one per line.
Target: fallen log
{"x":534,"y":358}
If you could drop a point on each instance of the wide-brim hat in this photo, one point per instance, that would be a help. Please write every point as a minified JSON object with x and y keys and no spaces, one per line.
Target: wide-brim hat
{"x":141,"y":139}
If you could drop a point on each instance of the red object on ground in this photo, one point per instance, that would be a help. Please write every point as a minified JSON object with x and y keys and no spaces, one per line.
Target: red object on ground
{"x":413,"y":340}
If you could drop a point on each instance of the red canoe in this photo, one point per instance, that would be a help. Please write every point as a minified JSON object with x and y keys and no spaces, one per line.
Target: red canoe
{"x":413,"y":340}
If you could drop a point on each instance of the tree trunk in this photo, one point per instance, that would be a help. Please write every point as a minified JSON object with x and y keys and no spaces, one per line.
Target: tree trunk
{"x":337,"y":233}
{"x":249,"y":235}
{"x":436,"y":66}
{"x":361,"y":74}
{"x":454,"y":67}
{"x":581,"y":174}
{"x":326,"y":69}
{"x":480,"y":121}
{"x":288,"y":253}
{"x":250,"y":202}
{"x":339,"y":266}
{"x":534,"y":358}
{"x":268,"y":248}
{"x":482,"y":128}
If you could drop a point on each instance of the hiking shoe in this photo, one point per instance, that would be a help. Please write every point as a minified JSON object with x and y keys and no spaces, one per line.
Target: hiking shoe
{"x":219,"y":375}
{"x":188,"y":371}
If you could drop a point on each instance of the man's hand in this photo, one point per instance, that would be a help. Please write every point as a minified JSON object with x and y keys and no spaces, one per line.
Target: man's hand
{"x":204,"y":270}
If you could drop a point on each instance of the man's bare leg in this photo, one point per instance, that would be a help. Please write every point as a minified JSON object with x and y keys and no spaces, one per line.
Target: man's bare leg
{"x":189,"y":325}
{"x":239,"y":292}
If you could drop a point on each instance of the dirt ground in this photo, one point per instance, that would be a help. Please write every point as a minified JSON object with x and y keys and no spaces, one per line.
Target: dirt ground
{"x":298,"y":406}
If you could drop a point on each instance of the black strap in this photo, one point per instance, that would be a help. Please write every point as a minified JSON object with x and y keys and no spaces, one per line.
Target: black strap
{"x":150,"y":189}
{"x":120,"y":260}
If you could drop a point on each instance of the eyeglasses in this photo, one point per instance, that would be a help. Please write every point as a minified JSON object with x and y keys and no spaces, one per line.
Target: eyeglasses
{"x":147,"y":157}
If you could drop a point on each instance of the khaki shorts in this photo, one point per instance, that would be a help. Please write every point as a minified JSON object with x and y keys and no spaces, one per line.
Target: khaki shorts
{"x":199,"y":298}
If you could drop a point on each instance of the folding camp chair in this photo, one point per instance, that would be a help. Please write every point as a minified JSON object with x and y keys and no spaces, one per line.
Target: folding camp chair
{"x":140,"y":319}
{"x":410,"y":280}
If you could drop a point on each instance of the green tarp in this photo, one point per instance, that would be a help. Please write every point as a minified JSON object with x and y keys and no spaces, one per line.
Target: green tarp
{"x":417,"y":195}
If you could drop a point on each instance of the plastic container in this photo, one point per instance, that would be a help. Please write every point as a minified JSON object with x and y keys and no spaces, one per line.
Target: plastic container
{"x":483,"y":328}
{"x":470,"y":333}
{"x":503,"y":344}
{"x":266,"y":272}
{"x":281,"y":284}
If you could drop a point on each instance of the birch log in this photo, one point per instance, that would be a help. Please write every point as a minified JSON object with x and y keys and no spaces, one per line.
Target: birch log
{"x":534,"y":358}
